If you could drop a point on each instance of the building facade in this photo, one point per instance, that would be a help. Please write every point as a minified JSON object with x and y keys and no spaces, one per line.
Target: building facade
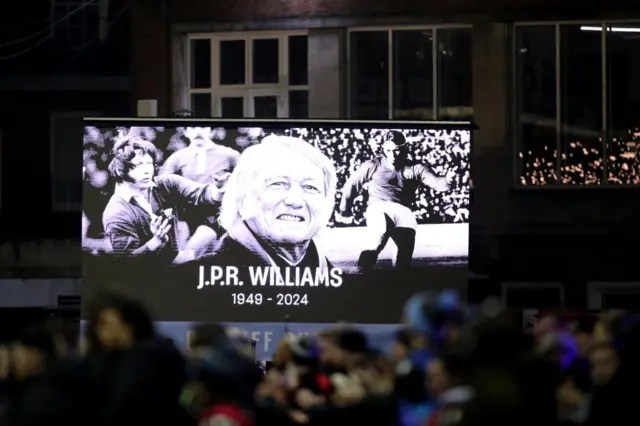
{"x":550,"y":84}
{"x":60,"y":60}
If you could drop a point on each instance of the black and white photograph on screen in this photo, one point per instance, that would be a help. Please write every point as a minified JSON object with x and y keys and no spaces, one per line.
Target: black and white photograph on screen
{"x":320,"y":198}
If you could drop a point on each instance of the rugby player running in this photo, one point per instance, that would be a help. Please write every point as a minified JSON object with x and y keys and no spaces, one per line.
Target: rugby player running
{"x":391,"y":183}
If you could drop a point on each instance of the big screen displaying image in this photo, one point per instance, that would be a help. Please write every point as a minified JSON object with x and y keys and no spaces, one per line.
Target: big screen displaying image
{"x":262,"y":220}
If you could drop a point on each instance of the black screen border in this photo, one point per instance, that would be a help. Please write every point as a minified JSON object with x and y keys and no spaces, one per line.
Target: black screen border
{"x":283,"y":124}
{"x":276,"y":124}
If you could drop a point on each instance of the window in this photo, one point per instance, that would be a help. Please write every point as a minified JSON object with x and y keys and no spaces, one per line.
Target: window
{"x":261,"y":75}
{"x":577,"y":103}
{"x":613,"y":295}
{"x":75,"y":21}
{"x":66,"y":165}
{"x":423,"y":73}
{"x":623,"y":101}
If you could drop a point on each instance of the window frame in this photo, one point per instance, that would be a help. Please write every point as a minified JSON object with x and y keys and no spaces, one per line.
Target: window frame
{"x":390,"y":29}
{"x":216,"y":107}
{"x":53,"y":117}
{"x":515,"y":119}
{"x":282,"y":99}
{"x":248,"y":89}
{"x":596,"y":290}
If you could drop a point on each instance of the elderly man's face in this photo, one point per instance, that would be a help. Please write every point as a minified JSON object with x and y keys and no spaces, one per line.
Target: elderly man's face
{"x":289,"y":200}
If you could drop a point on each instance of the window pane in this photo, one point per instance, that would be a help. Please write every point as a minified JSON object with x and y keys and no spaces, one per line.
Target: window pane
{"x":200,"y":63}
{"x":581,"y":115}
{"x":232,"y":62}
{"x":413,"y":75}
{"x":455,"y":74}
{"x":298,"y":60}
{"x":266,"y":60}
{"x":298,"y":104}
{"x":536,"y":103}
{"x":623,"y":85}
{"x":265,"y":107}
{"x":369,"y":74}
{"x":232,"y":107}
{"x":201,"y":105}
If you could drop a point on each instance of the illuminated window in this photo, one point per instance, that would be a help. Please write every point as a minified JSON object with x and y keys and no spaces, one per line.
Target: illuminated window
{"x":577,"y":103}
{"x":261,"y":75}
{"x":423,"y":73}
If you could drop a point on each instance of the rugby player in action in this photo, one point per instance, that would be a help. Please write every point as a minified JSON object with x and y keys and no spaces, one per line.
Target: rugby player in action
{"x":391,"y":183}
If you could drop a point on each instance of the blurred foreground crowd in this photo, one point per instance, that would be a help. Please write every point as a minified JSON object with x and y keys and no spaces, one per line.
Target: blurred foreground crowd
{"x":447,"y":366}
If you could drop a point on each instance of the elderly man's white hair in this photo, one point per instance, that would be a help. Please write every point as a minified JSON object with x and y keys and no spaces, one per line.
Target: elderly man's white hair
{"x":273,"y":149}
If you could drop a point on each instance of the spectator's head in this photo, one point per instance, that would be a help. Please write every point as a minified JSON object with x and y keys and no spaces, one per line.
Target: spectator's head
{"x":602,"y":332}
{"x":214,"y":379}
{"x":439,"y":316}
{"x":500,"y":341}
{"x":283,"y":189}
{"x":403,"y":344}
{"x":329,"y":352}
{"x":582,"y":329}
{"x":241,"y":342}
{"x":30,"y":352}
{"x":547,"y":322}
{"x":117,"y":322}
{"x":62,"y":338}
{"x":352,"y":346}
{"x":604,"y":363}
{"x":134,"y":161}
{"x":451,"y":369}
{"x":204,"y":337}
{"x":437,"y":378}
{"x":604,"y":329}
{"x":304,"y":351}
{"x":282,"y":355}
{"x":559,"y":347}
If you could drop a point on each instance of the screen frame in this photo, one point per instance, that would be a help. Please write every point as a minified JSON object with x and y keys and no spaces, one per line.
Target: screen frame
{"x":277,"y":124}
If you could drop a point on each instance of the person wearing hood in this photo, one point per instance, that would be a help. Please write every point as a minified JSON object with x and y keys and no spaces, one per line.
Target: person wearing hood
{"x":43,"y":388}
{"x":215,"y":394}
{"x":237,"y":349}
{"x":139,"y":373}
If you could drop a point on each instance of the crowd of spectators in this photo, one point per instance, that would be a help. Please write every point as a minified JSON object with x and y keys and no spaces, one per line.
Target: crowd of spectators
{"x":448,"y":365}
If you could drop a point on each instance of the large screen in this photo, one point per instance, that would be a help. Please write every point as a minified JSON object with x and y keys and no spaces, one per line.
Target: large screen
{"x":264,"y":220}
